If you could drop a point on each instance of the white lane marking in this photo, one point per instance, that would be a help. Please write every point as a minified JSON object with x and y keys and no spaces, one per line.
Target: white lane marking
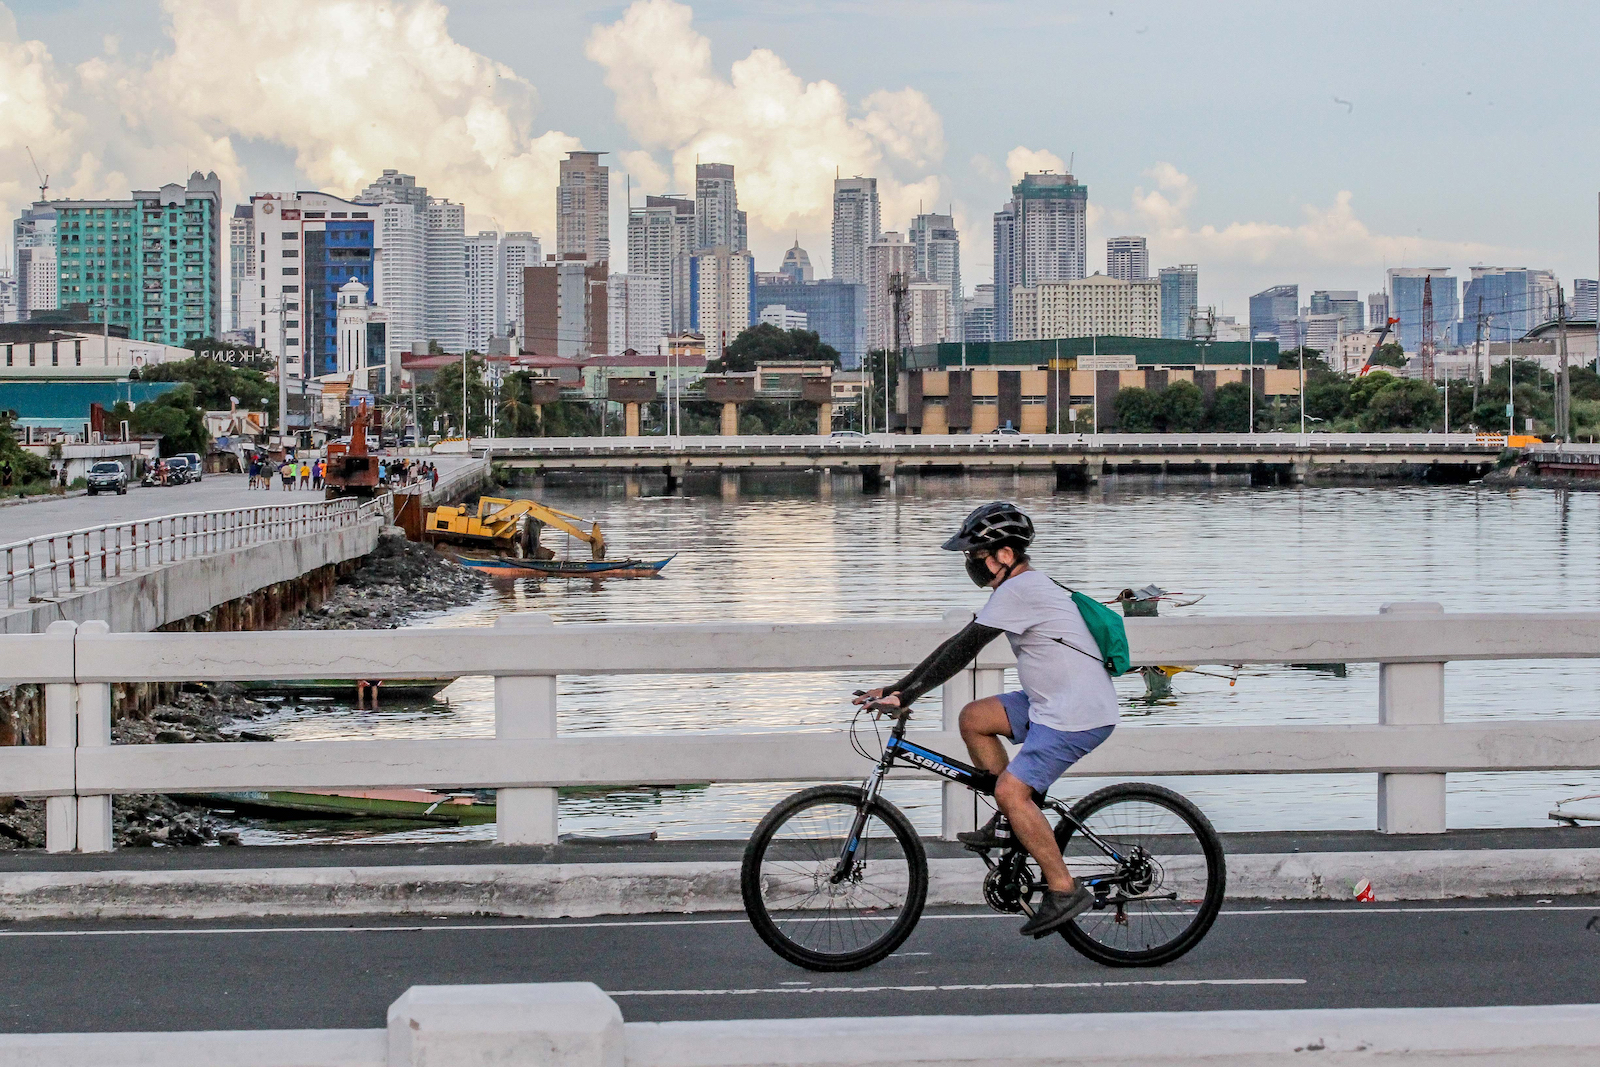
{"x":962,"y":988}
{"x":1332,"y":912}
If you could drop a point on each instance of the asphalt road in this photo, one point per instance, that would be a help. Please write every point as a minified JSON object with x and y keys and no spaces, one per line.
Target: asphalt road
{"x":214,"y":492}
{"x":196,"y":976}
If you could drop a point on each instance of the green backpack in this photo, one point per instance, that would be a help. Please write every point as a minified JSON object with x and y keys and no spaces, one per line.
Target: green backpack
{"x":1106,"y":627}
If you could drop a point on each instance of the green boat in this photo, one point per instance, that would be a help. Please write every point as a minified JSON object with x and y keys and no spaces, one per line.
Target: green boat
{"x":414,"y":805}
{"x":337,"y":688}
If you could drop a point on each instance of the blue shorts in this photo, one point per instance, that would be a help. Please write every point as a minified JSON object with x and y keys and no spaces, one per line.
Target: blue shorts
{"x":1046,"y":753}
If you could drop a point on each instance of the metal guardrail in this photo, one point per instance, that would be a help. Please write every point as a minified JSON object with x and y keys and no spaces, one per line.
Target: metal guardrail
{"x":911,"y":444}
{"x":59,"y":564}
{"x":1409,"y":746}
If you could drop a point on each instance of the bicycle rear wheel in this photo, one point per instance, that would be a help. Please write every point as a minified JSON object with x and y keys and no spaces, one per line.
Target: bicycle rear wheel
{"x":788,"y":887}
{"x":1156,"y":898}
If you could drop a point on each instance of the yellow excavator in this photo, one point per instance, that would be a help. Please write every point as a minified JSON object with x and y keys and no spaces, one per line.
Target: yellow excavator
{"x":509,"y":527}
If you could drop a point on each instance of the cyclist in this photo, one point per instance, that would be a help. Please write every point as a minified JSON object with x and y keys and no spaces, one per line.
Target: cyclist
{"x":1067,"y":705}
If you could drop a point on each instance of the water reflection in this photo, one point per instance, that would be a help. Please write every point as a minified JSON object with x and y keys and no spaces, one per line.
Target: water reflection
{"x":782,"y":553}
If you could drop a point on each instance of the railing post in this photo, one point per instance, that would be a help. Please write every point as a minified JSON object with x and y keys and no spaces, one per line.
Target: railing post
{"x":959,"y":802}
{"x":1411,"y":694}
{"x":61,"y":731}
{"x":94,"y":731}
{"x":525,"y":707}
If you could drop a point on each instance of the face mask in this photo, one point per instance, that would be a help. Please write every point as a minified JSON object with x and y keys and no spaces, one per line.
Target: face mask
{"x":978,"y":571}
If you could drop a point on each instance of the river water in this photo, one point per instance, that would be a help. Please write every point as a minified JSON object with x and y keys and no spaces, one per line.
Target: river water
{"x":780,"y":552}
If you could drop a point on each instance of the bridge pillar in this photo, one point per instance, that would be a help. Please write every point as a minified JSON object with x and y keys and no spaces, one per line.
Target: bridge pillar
{"x":630,"y":419}
{"x":525,"y":707}
{"x":730,"y":419}
{"x":730,"y":485}
{"x":1096,"y":470}
{"x":1411,"y":694}
{"x":825,"y":483}
{"x":674,"y":480}
{"x":1300,"y":468}
{"x":631,"y":486}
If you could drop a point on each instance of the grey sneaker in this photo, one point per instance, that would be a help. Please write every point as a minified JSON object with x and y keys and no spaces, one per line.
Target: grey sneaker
{"x":996,"y":833}
{"x":1056,"y":910}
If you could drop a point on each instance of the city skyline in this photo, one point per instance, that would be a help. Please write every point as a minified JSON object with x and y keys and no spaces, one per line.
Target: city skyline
{"x":1313,"y":208}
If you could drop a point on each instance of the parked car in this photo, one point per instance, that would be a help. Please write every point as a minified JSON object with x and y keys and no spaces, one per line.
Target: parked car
{"x":107,"y":476}
{"x":195,"y":467}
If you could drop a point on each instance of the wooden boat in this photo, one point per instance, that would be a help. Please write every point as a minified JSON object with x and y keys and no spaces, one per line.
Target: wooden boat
{"x":416,"y":805}
{"x":345,"y":688}
{"x":507,"y":567}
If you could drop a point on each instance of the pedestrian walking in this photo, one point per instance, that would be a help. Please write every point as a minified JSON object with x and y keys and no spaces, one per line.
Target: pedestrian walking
{"x":433,"y":470}
{"x":316,"y":474}
{"x":383,"y":473}
{"x":255,"y":471}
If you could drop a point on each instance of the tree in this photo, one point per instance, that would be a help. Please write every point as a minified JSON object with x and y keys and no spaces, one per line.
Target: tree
{"x":173,"y":415}
{"x":1389,"y":355}
{"x":1230,"y":409}
{"x":18,"y":466}
{"x":1328,"y":398}
{"x":766,"y":343}
{"x":1137,"y":410}
{"x":1183,"y":408}
{"x":1402,"y":404}
{"x":445,"y":395}
{"x":1290,"y":360}
{"x":214,"y":382}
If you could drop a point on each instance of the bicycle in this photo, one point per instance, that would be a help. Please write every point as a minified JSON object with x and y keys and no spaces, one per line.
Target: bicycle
{"x":835,"y":878}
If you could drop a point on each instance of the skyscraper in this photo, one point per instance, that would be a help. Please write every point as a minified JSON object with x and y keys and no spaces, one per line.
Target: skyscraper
{"x":481,"y":256}
{"x":241,"y":267}
{"x":722,"y":285}
{"x":1405,"y":303}
{"x":445,"y":280}
{"x":856,"y":224}
{"x":977,"y":316}
{"x":633,"y":304}
{"x":583,"y":208}
{"x":1514,"y":300}
{"x":33,"y":237}
{"x":718,"y":222}
{"x":396,"y":188}
{"x":1377,"y":310}
{"x":518,"y":251}
{"x":797,"y":265}
{"x":1046,"y":240}
{"x":1341,"y":302}
{"x":661,"y":237}
{"x":1180,"y":295}
{"x":1583,"y":304}
{"x":936,"y":246}
{"x":401,"y":271}
{"x":889,"y":254}
{"x":1276,"y":311}
{"x":565,"y":308}
{"x":1127,"y":259}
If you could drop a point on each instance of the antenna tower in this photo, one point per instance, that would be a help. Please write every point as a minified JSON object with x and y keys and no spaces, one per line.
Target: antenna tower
{"x":1427,"y":348}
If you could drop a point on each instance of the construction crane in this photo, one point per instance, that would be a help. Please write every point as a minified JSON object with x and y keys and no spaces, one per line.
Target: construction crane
{"x":510,"y":526}
{"x":44,"y":179}
{"x":1388,"y":328}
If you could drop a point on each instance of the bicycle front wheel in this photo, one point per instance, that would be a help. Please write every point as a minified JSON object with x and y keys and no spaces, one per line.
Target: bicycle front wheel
{"x":809,"y":915}
{"x":1157,"y":871}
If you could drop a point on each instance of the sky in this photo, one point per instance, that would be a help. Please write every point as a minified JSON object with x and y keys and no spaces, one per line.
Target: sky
{"x":1268,"y":143}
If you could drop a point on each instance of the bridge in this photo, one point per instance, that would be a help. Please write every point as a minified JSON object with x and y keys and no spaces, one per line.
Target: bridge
{"x":1074,"y":459}
{"x":636,"y":955}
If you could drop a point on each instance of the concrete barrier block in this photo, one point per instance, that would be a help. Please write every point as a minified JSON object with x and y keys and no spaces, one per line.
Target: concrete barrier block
{"x":556,"y":1024}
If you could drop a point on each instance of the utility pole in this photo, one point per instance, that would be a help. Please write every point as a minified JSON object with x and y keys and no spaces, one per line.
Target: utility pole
{"x":898,"y":288}
{"x":1563,"y":389}
{"x":1428,"y":346}
{"x":1477,"y":356}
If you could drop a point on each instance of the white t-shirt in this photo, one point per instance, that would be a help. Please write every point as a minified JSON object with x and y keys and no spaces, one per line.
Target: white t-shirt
{"x":1067,"y":690}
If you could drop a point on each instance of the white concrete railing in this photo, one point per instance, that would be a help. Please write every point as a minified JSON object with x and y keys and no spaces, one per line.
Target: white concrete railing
{"x":1410,"y":746}
{"x":575,"y":1024}
{"x":896,"y":442}
{"x":57,"y":564}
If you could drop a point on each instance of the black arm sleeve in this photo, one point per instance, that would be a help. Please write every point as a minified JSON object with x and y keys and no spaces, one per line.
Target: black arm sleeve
{"x":943,"y":662}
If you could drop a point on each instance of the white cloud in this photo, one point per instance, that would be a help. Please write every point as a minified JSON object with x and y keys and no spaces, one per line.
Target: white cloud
{"x":786,"y":137}
{"x":381,"y":84}
{"x":1020,"y":161}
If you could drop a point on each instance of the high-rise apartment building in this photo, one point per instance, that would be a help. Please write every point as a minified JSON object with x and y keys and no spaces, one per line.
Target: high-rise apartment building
{"x":1276,"y":311}
{"x":33,"y":240}
{"x":152,"y":264}
{"x":445,"y":281}
{"x":929,"y":319}
{"x":400,"y":272}
{"x":1127,"y":259}
{"x":481,"y":256}
{"x":661,"y":236}
{"x":890,"y":254}
{"x":392,"y":187}
{"x":8,"y":295}
{"x":797,"y":265}
{"x":565,"y":308}
{"x":1096,"y":305}
{"x":977,"y":316}
{"x":583,"y":208}
{"x":1047,"y":237}
{"x":1377,"y":310}
{"x":718,"y":222}
{"x":1406,"y":285}
{"x":722,"y":286}
{"x":309,"y":247}
{"x":519,"y":250}
{"x":1180,"y":295}
{"x":936,"y":245}
{"x":1005,"y":270}
{"x":1344,"y":303}
{"x":241,"y":266}
{"x":1584,"y":303}
{"x":856,"y":224}
{"x":633,"y":304}
{"x":1513,"y":302}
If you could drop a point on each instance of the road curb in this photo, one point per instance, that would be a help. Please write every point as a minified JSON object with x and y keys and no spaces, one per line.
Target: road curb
{"x":590,"y":889}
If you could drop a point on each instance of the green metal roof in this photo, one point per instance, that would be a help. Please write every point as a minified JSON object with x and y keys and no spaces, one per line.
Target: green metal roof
{"x":1147,"y":352}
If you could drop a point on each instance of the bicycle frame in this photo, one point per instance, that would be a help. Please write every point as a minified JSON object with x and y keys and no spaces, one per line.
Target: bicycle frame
{"x":899,"y":750}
